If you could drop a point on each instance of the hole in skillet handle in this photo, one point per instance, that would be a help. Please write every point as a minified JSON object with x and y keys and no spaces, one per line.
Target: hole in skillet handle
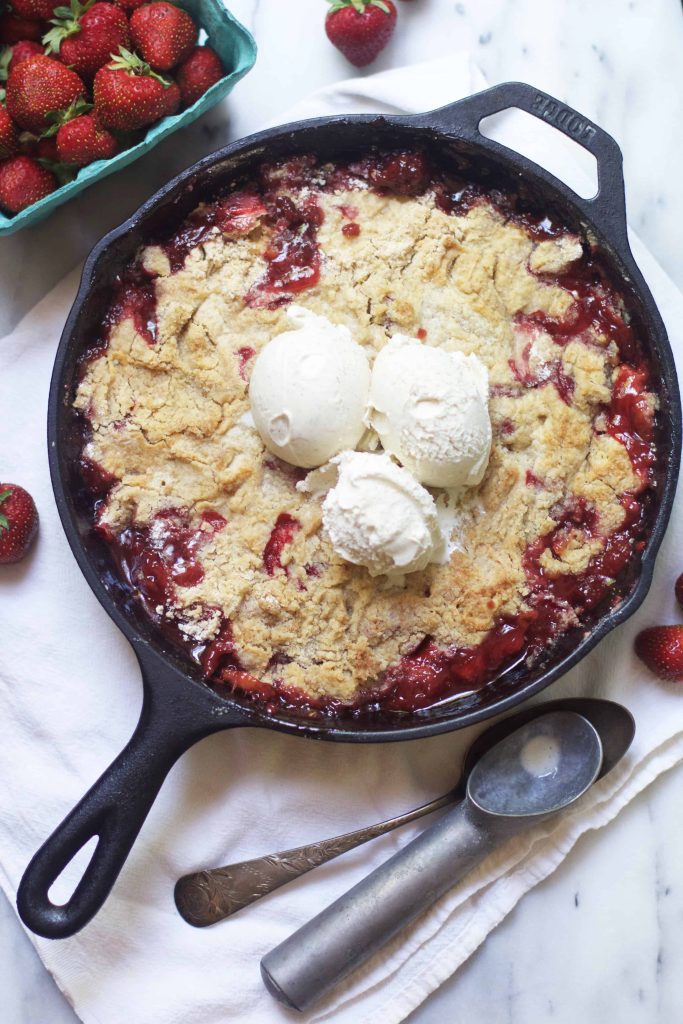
{"x":115,"y":808}
{"x":43,"y":875}
{"x":538,"y":141}
{"x":113,"y":811}
{"x":607,"y":208}
{"x":64,"y":886}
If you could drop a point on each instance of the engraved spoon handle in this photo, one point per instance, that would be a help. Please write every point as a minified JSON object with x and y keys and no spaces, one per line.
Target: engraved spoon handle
{"x":205,"y":897}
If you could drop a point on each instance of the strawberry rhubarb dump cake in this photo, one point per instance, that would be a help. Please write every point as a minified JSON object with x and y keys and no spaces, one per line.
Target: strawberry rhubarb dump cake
{"x":362,"y":436}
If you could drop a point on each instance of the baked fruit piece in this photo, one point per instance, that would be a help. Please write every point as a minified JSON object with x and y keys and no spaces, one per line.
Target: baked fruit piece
{"x":210,"y":531}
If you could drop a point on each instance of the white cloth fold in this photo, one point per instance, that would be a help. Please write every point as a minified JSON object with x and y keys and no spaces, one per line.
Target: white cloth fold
{"x":69,"y":693}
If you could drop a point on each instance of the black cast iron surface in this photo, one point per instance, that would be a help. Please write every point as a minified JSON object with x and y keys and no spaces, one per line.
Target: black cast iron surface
{"x":178,"y":708}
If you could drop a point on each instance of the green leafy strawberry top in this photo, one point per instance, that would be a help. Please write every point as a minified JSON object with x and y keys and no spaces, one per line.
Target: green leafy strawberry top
{"x":67,"y":22}
{"x":358,"y":5}
{"x":57,"y":118}
{"x":5,"y":58}
{"x":134,"y":65}
{"x":4,"y":523}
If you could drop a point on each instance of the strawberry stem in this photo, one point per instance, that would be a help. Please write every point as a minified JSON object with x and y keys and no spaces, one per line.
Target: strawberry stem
{"x":67,"y":22}
{"x":5,"y":58}
{"x":134,"y":65}
{"x":58,"y":118}
{"x":358,"y":5}
{"x":4,"y":524}
{"x":64,"y":173}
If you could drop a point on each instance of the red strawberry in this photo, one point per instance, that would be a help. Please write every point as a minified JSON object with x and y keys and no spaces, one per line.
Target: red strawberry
{"x":83,"y":140}
{"x":23,"y":182}
{"x":197,"y":73}
{"x":130,"y":5}
{"x":37,"y":87}
{"x":9,"y":142}
{"x":14,"y":29}
{"x":34,"y":10}
{"x":661,"y":648}
{"x":18,"y":523}
{"x":679,"y":590}
{"x":23,"y":50}
{"x":129,"y":95}
{"x":165,"y":35}
{"x":85,"y":38}
{"x":360,"y":28}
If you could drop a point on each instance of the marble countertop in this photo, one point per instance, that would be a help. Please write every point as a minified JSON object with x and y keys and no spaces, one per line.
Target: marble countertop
{"x":600,"y":939}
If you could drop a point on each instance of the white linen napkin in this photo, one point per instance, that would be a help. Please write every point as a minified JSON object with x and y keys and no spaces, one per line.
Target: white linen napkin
{"x":69,"y":695}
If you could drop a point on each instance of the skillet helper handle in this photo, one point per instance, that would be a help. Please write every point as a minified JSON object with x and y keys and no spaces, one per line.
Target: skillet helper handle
{"x":310,"y":962}
{"x":608,"y":207}
{"x":114,"y":810}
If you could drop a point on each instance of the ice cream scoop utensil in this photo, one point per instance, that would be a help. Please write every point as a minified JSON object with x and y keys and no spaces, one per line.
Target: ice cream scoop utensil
{"x":206,"y":897}
{"x":534,"y":772}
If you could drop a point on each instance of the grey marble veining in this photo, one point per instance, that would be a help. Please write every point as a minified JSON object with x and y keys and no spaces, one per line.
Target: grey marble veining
{"x":602,"y":938}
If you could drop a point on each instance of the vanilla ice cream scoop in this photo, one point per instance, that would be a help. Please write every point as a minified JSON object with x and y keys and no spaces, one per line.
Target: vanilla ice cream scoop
{"x":430,"y":409}
{"x":309,"y":389}
{"x":377,"y":515}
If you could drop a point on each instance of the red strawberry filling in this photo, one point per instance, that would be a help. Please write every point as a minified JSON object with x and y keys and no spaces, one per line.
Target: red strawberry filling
{"x":157,"y":558}
{"x":292,"y":256}
{"x":283,"y":533}
{"x":548,"y":373}
{"x":245,"y":355}
{"x":631,"y":419}
{"x":234,"y":216}
{"x":594,"y":307}
{"x":135,"y":299}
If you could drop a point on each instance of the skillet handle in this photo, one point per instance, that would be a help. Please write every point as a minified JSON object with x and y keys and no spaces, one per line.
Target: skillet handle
{"x":114,"y":810}
{"x":608,"y":207}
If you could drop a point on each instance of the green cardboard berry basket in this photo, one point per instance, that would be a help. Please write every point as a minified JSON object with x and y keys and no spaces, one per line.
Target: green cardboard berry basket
{"x":237,"y":50}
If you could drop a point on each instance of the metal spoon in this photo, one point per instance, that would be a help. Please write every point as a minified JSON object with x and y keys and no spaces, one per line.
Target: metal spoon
{"x":205,"y":897}
{"x":531,"y":774}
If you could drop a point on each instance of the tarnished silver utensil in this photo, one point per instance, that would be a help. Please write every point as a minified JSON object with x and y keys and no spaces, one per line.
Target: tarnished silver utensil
{"x":206,"y":897}
{"x":534,"y":772}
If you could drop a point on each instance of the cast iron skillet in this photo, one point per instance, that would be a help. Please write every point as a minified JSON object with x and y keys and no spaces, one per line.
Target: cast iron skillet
{"x":178,"y":708}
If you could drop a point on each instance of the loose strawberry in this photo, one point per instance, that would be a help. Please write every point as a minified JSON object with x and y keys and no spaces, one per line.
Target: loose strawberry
{"x":84,"y":37}
{"x":128,"y":94}
{"x":360,"y":28}
{"x":23,"y":50}
{"x":34,"y":10}
{"x":165,"y":35}
{"x":14,"y":29}
{"x":679,"y":590}
{"x":23,"y":182}
{"x":9,"y":143}
{"x":83,"y":140}
{"x":661,"y":648}
{"x":18,"y":523}
{"x":37,"y":87}
{"x":197,"y":73}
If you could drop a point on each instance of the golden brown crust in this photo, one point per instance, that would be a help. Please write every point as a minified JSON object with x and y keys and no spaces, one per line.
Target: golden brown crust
{"x":168,"y":422}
